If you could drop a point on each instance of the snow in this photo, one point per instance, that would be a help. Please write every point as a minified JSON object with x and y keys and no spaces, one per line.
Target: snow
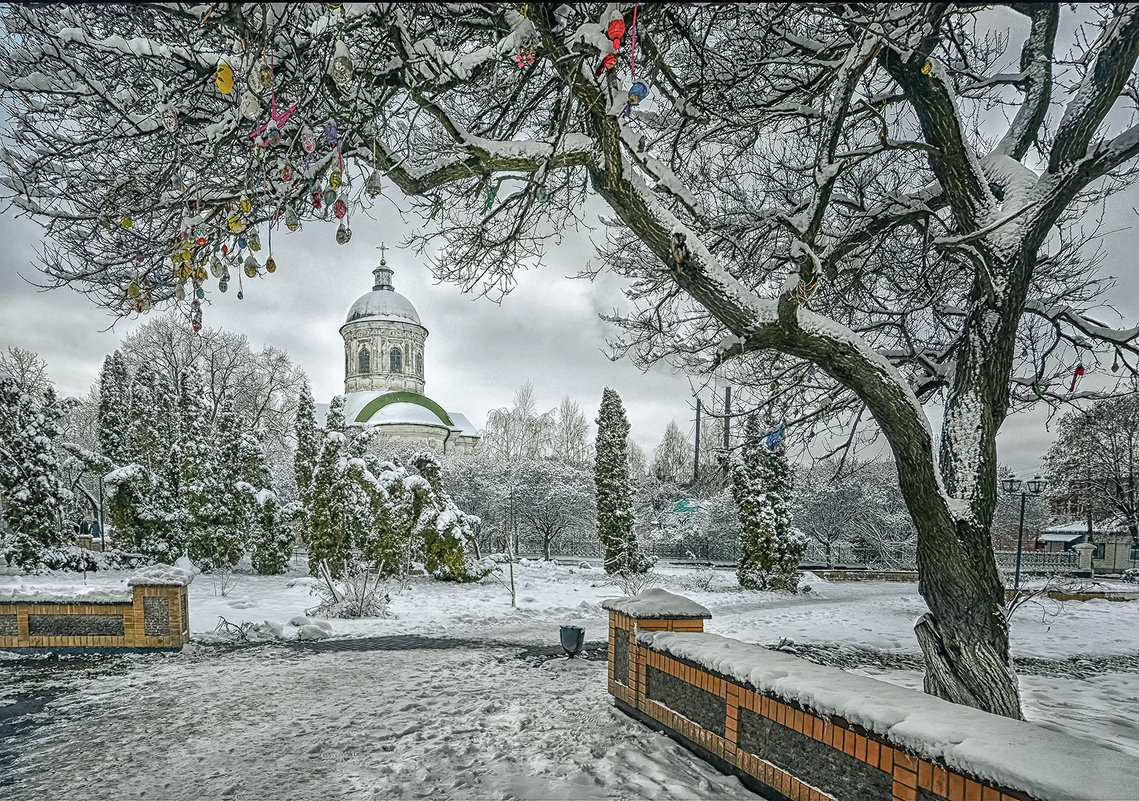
{"x":988,"y":746}
{"x":655,"y":603}
{"x":161,"y":576}
{"x":66,"y":595}
{"x":231,"y":703}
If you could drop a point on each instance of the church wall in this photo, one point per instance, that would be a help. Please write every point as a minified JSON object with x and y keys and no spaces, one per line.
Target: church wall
{"x":380,"y":337}
{"x":404,"y":436}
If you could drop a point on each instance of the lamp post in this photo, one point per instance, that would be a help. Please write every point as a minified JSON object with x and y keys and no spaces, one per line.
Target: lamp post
{"x":1014,"y":486}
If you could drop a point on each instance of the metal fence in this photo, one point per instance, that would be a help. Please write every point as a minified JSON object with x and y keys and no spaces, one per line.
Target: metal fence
{"x":1040,"y":561}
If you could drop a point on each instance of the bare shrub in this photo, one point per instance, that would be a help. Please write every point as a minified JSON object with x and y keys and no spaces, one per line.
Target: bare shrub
{"x":359,"y":592}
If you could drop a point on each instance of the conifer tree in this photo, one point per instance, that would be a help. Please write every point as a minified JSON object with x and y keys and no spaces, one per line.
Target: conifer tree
{"x":614,"y":502}
{"x":770,"y":549}
{"x":272,"y":543}
{"x":219,"y":543}
{"x":330,"y":511}
{"x":308,"y":446}
{"x":30,"y":481}
{"x":114,"y":409}
{"x":196,"y":457}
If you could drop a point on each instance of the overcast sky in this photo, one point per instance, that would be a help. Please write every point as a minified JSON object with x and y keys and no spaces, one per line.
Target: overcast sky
{"x":547,"y":331}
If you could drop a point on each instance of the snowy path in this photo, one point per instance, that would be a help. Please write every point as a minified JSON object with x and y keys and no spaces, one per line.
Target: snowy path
{"x":282,"y":723}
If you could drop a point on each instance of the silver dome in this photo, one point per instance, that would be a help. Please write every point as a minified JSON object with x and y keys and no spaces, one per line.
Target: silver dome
{"x":383,"y":304}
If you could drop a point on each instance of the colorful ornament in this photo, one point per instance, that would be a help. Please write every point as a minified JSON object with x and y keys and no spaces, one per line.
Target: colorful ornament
{"x":200,"y":274}
{"x":250,"y":267}
{"x":236,"y":225}
{"x":334,"y":180}
{"x":223,"y":78}
{"x":241,"y":243}
{"x":246,"y":205}
{"x":292,"y":221}
{"x":331,"y":132}
{"x":340,"y":208}
{"x":607,"y":63}
{"x":223,"y":286}
{"x":254,"y":241}
{"x":287,"y":173}
{"x":927,"y":67}
{"x":343,"y":234}
{"x":615,"y":31}
{"x":272,"y":134}
{"x":329,"y":197}
{"x":637,"y":92}
{"x":1076,"y":377}
{"x":200,"y":293}
{"x":133,"y":289}
{"x":316,"y":200}
{"x":341,"y":65}
{"x":308,"y":140}
{"x":180,"y":292}
{"x":216,"y":270}
{"x":140,"y":305}
{"x":126,"y":221}
{"x":270,"y":265}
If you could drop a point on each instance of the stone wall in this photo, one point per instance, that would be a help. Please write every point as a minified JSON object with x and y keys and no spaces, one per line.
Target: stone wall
{"x":154,"y":617}
{"x":784,"y":747}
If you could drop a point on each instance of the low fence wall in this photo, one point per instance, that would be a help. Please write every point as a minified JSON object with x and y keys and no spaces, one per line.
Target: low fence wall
{"x":867,"y":575}
{"x":151,"y":614}
{"x":790,"y":729}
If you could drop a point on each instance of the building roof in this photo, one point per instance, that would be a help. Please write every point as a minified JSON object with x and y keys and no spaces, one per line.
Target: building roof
{"x":406,"y":408}
{"x":1111,"y":525}
{"x":383,"y":302}
{"x":1060,"y":536}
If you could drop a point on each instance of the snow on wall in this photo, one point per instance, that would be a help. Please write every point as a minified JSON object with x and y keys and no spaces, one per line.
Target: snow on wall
{"x":1041,"y":762}
{"x":78,"y":595}
{"x":654,"y":604}
{"x":161,"y":576}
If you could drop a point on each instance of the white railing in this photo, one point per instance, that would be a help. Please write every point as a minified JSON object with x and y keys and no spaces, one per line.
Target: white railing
{"x":1039,"y":561}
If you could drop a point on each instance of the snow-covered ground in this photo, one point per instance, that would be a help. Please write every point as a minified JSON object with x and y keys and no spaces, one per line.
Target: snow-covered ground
{"x":277,"y":721}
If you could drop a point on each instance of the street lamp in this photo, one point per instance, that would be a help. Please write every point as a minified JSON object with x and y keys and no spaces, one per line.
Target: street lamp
{"x":1013,"y":486}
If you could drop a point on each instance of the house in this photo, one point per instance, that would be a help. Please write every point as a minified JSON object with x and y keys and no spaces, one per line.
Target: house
{"x":1115,"y":549}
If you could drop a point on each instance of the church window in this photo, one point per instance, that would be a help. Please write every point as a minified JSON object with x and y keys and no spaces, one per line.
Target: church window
{"x":419,"y":364}
{"x":365,"y":360}
{"x":397,"y":360}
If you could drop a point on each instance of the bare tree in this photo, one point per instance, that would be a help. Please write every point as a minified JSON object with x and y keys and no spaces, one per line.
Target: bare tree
{"x":571,"y":434}
{"x":519,"y":431}
{"x":27,"y":369}
{"x":811,"y":197}
{"x":672,"y":457}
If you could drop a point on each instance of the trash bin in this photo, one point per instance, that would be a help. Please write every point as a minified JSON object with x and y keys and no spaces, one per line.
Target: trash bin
{"x":573,"y":638}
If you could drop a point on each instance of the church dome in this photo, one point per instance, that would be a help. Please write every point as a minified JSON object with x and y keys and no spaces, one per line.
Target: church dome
{"x":383,"y":302}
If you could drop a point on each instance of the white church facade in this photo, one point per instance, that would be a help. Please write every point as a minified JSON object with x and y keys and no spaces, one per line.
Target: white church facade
{"x":384,"y":364}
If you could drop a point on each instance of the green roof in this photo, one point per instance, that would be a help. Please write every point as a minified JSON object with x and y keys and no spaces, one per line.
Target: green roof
{"x":403,"y":397}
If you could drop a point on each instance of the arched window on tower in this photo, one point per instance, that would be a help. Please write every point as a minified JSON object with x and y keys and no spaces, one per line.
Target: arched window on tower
{"x":419,"y":364}
{"x":397,"y":360}
{"x":365,"y":360}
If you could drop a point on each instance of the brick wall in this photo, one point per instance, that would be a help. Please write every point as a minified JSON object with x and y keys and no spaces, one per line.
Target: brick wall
{"x":157,"y":617}
{"x":777,"y":747}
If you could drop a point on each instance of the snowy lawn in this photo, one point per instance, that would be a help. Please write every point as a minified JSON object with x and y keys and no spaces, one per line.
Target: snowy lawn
{"x":274,"y":721}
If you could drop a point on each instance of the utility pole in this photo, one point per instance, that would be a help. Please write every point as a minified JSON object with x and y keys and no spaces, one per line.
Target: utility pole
{"x":696,"y":460}
{"x":727,"y":417}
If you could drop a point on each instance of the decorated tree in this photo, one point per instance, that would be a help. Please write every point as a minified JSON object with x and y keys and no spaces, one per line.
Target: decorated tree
{"x":30,"y":484}
{"x":859,"y":204}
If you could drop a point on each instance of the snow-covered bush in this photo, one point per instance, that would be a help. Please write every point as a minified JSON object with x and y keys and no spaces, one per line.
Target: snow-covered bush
{"x":359,"y":591}
{"x":1131,"y":575}
{"x":74,"y":558}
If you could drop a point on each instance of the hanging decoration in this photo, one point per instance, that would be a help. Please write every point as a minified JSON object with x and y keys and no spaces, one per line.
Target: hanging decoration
{"x":251,"y":266}
{"x":169,"y":116}
{"x":331,"y":132}
{"x":491,"y":191}
{"x":334,"y":179}
{"x":1115,"y":363}
{"x":607,"y":63}
{"x":125,"y":221}
{"x":638,"y":90}
{"x":775,"y":437}
{"x":254,"y":241}
{"x":615,"y":31}
{"x":249,"y":106}
{"x":292,"y":221}
{"x":343,"y":234}
{"x":1076,"y":377}
{"x":927,"y":67}
{"x":1040,"y":387}
{"x":270,"y":265}
{"x":340,"y":208}
{"x":287,"y":173}
{"x":372,"y":185}
{"x":341,"y":64}
{"x":223,"y":78}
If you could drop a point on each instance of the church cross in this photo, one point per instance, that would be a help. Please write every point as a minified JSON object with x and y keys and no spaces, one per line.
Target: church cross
{"x":382,"y":248}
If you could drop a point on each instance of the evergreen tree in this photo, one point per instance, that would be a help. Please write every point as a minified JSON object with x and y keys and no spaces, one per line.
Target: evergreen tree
{"x":672,"y":458}
{"x":335,"y":419}
{"x":329,"y":513}
{"x":196,"y":457}
{"x":114,"y":409}
{"x":145,"y":506}
{"x":272,"y":543}
{"x":220,"y":540}
{"x":30,"y":482}
{"x":308,"y":448}
{"x":770,"y":549}
{"x":614,"y":502}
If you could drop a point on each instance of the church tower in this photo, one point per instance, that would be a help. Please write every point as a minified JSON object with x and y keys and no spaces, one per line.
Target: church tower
{"x":383,"y":340}
{"x":383,"y":373}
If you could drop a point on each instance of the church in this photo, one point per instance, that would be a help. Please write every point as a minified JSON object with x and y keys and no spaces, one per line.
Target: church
{"x":384,"y":361}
